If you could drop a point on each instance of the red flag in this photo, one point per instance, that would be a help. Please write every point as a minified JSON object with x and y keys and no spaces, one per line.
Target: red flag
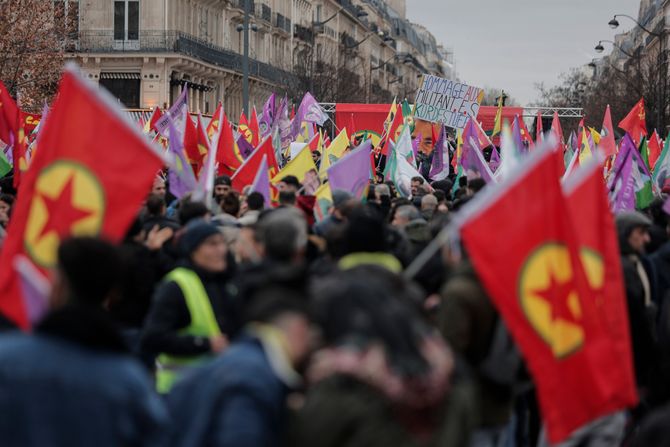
{"x":558,"y":130}
{"x":191,"y":145}
{"x":155,"y":116}
{"x":227,"y":154}
{"x":314,"y":142}
{"x":634,"y":122}
{"x":30,"y":121}
{"x":203,"y":142}
{"x":588,"y":203}
{"x":78,"y":184}
{"x":246,"y":173}
{"x":244,"y":129}
{"x":655,"y":149}
{"x":536,"y":280}
{"x":254,"y":128}
{"x":213,"y":126}
{"x":526,"y":135}
{"x":607,"y":142}
{"x":12,"y":132}
{"x":9,"y":115}
{"x":539,"y":131}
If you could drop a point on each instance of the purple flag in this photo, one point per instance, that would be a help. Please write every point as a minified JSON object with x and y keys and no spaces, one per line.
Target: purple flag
{"x":267,"y":118}
{"x":309,"y":111}
{"x":284,"y":124}
{"x":177,"y":113}
{"x":244,"y":146}
{"x":494,"y":160}
{"x":415,"y":146}
{"x":181,"y":177}
{"x":573,"y":141}
{"x":437,"y":166}
{"x":622,"y":193}
{"x":312,"y":111}
{"x":516,"y":136}
{"x":352,"y":172}
{"x":261,"y":182}
{"x":472,"y":158}
{"x":622,"y":185}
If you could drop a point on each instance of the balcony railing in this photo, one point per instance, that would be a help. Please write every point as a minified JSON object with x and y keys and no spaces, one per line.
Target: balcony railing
{"x":177,"y":42}
{"x":349,"y":6}
{"x":303,"y":33}
{"x":266,"y":13}
{"x":240,"y":4}
{"x":347,"y":40}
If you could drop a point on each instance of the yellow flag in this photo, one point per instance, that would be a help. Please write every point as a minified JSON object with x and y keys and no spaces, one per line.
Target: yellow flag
{"x":595,"y":135}
{"x":498,"y":122}
{"x":298,"y":166}
{"x":324,"y":200}
{"x":333,"y":152}
{"x":585,"y":151}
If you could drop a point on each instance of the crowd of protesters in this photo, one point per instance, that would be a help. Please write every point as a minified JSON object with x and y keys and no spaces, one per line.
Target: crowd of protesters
{"x":241,"y":324}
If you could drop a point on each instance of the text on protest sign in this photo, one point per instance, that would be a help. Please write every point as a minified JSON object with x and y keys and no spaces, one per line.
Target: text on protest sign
{"x":440,"y":100}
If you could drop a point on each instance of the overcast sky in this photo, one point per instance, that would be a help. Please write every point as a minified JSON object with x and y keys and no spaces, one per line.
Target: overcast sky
{"x":512,"y":44}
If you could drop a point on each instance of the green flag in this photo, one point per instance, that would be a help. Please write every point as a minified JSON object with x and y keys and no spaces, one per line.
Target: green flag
{"x":5,"y":165}
{"x":662,"y":167}
{"x":644,"y":151}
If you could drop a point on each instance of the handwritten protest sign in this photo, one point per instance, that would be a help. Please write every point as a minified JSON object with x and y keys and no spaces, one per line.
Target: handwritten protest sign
{"x":444,"y":101}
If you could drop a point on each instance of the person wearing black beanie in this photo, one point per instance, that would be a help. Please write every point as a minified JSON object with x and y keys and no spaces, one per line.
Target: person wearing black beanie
{"x":193,"y":313}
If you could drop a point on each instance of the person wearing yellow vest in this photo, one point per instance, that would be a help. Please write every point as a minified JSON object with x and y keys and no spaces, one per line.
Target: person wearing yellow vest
{"x":192,"y":314}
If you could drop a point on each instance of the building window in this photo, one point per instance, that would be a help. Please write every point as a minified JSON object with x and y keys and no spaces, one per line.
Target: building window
{"x":124,"y":86}
{"x":126,"y":20}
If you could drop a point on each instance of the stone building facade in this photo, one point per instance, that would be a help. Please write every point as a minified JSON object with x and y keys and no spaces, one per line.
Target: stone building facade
{"x":146,"y":51}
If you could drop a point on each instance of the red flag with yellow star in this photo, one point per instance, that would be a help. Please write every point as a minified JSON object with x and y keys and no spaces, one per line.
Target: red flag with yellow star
{"x":535,"y":278}
{"x":213,"y":126}
{"x":587,"y":200}
{"x":634,"y":123}
{"x":89,"y":177}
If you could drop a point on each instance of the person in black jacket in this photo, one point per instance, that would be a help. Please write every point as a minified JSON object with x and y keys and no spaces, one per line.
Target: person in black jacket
{"x":640,"y":283}
{"x":184,"y":324}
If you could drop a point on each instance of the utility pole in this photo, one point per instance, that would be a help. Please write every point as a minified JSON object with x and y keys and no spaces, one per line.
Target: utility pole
{"x":245,"y":58}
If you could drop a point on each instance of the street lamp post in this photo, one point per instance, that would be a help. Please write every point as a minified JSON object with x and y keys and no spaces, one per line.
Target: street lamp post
{"x":245,"y":59}
{"x":614,"y":23}
{"x":382,"y":65}
{"x":599,"y":48}
{"x":315,"y":23}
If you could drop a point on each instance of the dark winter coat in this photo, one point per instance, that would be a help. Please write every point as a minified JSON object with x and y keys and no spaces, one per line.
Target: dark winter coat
{"x":169,"y":313}
{"x":467,"y":320}
{"x":236,"y":400}
{"x":73,"y":383}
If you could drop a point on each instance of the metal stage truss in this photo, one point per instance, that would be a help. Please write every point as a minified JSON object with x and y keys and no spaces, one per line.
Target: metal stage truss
{"x":563,"y":112}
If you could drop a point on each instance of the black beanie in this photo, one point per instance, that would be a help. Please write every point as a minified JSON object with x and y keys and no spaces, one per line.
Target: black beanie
{"x":196,"y":232}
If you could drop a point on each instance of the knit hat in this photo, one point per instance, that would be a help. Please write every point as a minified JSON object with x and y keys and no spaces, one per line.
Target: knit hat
{"x":628,"y":220}
{"x":195,"y":234}
{"x":340,"y":197}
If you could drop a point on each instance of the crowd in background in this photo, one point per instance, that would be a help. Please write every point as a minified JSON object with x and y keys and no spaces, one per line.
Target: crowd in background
{"x":241,"y":324}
